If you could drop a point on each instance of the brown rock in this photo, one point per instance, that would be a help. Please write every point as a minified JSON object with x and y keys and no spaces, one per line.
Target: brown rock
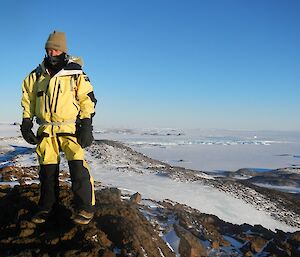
{"x":26,"y":232}
{"x":296,"y":236}
{"x":2,"y":194}
{"x":248,"y":254}
{"x":68,"y":235}
{"x":189,"y":245}
{"x":4,"y":187}
{"x":97,"y":236}
{"x":21,"y":174}
{"x":108,"y":253}
{"x":22,"y":212}
{"x":215,"y":245}
{"x":7,"y":169}
{"x":110,"y":195}
{"x":257,"y":244}
{"x":225,"y":242}
{"x":209,"y":220}
{"x":27,"y":224}
{"x":136,"y":198}
{"x":22,"y":182}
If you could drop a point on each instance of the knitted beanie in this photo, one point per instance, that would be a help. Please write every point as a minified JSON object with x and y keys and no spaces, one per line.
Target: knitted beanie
{"x":57,"y":41}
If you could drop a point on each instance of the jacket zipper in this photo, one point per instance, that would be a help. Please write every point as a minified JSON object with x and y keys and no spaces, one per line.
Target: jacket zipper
{"x":51,"y":105}
{"x":45,"y":103}
{"x":46,"y":94}
{"x":52,"y":98}
{"x":58,"y":89}
{"x":46,"y":97}
{"x":72,"y":89}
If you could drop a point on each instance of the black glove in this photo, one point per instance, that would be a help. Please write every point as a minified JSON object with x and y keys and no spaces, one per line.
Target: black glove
{"x":26,"y":130}
{"x":84,"y":132}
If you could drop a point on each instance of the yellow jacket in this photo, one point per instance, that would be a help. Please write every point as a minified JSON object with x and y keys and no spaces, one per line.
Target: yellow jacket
{"x":58,"y":101}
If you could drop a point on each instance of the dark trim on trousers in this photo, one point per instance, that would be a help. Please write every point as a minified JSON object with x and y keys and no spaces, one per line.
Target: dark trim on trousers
{"x":81,"y":186}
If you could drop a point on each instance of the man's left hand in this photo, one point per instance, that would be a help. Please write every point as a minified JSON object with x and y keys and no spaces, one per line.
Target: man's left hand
{"x":84,"y":132}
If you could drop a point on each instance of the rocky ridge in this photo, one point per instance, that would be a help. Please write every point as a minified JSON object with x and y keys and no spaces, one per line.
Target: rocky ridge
{"x":280,"y":205}
{"x":127,"y":225}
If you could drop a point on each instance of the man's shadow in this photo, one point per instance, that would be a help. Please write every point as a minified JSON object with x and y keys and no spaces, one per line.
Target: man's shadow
{"x":10,"y":155}
{"x":18,"y":205}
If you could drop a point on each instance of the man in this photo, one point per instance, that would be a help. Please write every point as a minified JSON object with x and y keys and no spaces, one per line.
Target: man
{"x":61,"y":98}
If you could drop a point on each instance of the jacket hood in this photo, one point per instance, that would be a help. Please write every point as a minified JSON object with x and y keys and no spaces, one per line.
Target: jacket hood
{"x":73,"y":66}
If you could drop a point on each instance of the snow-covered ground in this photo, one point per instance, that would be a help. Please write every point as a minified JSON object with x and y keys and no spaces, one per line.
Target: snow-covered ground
{"x":196,"y":195}
{"x":199,"y":151}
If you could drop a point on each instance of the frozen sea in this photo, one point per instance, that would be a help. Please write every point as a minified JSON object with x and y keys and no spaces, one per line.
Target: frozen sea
{"x":213,"y":150}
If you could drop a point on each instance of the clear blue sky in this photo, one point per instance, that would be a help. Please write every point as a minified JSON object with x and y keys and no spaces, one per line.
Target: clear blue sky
{"x":232,"y":64}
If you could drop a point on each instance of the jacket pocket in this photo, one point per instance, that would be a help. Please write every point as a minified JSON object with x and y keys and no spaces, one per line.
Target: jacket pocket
{"x":41,"y":107}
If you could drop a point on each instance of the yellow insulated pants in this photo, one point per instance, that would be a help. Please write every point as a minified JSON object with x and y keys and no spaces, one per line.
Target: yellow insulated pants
{"x":48,"y":151}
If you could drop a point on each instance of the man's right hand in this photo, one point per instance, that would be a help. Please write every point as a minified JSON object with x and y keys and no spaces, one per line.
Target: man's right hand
{"x":26,"y":130}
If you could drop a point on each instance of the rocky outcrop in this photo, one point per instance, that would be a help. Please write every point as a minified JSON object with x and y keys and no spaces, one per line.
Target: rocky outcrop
{"x":190,"y":245}
{"x":212,"y":236}
{"x":118,"y":228}
{"x":125,"y":226}
{"x":115,"y":156}
{"x":136,"y":198}
{"x":21,"y":175}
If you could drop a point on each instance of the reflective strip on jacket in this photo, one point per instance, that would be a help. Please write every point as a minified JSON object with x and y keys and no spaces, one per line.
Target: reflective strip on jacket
{"x":58,"y":101}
